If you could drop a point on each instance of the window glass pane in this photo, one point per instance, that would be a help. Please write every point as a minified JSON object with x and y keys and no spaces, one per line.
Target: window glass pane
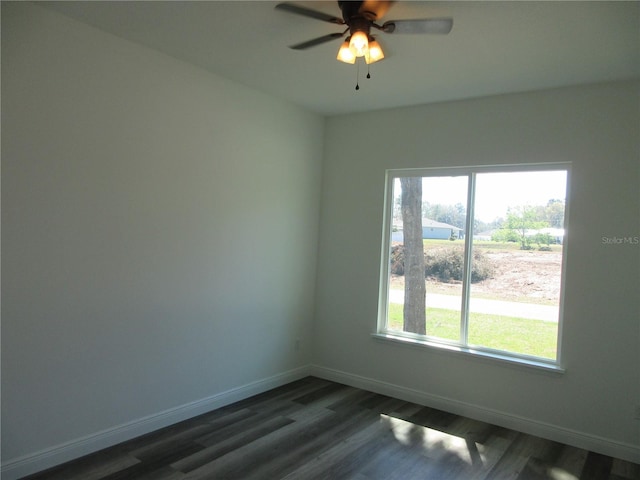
{"x":518,"y":235}
{"x":442,"y":219}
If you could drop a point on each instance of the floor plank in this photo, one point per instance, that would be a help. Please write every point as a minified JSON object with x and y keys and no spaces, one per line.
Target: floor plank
{"x":235,"y":442}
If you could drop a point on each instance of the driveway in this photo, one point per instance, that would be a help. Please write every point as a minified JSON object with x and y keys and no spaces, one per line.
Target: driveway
{"x":546,"y":313}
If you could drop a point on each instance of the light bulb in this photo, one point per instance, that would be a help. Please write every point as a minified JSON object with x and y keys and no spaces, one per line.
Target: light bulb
{"x":359,"y":44}
{"x":374,"y":53}
{"x":345,"y":54}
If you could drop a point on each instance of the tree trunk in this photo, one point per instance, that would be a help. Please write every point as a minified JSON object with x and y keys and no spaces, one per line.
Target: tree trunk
{"x":414,"y":315}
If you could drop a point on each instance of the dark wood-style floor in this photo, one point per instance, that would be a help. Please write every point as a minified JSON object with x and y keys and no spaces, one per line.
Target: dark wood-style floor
{"x":317,"y":429}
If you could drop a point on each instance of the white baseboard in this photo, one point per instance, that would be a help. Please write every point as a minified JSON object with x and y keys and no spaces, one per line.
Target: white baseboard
{"x":44,"y":459}
{"x":578,"y":439}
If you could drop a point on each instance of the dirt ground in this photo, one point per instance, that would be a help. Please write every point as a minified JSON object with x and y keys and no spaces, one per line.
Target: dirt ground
{"x":519,"y":275}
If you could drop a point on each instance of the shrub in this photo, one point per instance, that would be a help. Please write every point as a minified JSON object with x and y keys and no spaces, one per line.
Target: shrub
{"x":445,"y":264}
{"x":505,"y":235}
{"x":397,"y":260}
{"x":543,"y":240}
{"x":481,"y":266}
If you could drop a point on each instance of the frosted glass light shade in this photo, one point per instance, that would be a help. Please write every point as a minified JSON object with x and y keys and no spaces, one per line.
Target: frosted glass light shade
{"x":375,"y":53}
{"x":345,"y":54}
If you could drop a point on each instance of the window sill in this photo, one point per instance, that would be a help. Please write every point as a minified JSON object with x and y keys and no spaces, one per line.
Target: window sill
{"x":505,"y":359}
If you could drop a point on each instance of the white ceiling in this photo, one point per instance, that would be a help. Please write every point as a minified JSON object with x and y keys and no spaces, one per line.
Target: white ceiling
{"x":493,"y":48}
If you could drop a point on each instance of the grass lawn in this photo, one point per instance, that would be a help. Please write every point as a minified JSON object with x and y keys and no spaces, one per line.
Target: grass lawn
{"x":518,"y":335}
{"x":486,"y":245}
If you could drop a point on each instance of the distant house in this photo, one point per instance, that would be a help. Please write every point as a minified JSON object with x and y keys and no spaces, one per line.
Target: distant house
{"x":430,"y":230}
{"x":438,"y":230}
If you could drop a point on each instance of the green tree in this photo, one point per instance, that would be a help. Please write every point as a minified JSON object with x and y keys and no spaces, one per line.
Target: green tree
{"x":554,"y":213}
{"x":452,"y":214}
{"x":521,"y":221}
{"x":414,"y":312}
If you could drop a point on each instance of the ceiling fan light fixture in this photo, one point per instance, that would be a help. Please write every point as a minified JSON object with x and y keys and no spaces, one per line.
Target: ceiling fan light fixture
{"x":360,"y":17}
{"x":359,"y":43}
{"x":374,"y":53}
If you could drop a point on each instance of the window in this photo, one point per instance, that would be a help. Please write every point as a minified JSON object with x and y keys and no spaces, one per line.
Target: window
{"x":473,"y":260}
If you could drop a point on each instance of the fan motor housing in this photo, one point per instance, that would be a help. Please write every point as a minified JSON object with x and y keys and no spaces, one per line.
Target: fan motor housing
{"x":349,"y":10}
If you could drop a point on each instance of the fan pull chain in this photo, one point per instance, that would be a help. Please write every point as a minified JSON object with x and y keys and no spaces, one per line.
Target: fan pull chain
{"x":368,"y":71}
{"x":357,"y":75}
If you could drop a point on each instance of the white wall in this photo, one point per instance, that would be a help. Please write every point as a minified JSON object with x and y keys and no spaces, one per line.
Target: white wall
{"x":596,"y":128}
{"x":159,"y":236}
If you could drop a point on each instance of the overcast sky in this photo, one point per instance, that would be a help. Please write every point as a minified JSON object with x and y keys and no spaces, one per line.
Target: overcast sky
{"x":495,"y":192}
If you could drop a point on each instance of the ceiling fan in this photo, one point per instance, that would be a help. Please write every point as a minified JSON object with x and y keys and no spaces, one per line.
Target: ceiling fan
{"x":360,"y":17}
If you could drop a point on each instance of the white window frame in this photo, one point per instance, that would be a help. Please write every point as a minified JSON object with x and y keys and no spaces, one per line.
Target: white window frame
{"x":462,"y":347}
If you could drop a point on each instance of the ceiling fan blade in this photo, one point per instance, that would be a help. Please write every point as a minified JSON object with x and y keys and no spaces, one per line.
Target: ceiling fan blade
{"x":316,"y":41}
{"x":375,"y":9}
{"x":307,"y":12}
{"x":427,"y":25}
